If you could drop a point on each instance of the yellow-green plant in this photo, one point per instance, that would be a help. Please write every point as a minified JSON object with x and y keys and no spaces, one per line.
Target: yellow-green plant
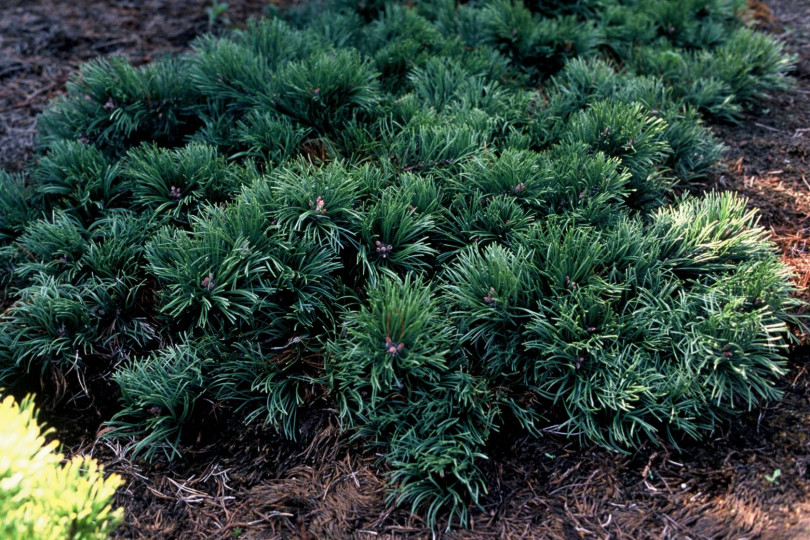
{"x":39,"y":497}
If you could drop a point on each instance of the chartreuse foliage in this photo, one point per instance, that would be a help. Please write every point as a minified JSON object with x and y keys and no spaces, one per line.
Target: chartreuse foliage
{"x":40,"y":497}
{"x":445,"y":217}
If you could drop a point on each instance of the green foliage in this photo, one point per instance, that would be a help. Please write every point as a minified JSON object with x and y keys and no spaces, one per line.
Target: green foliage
{"x":326,"y":91}
{"x":399,"y":380}
{"x":53,"y":247}
{"x":43,"y":498}
{"x":114,"y":106}
{"x":628,"y":358}
{"x":539,"y":45}
{"x":215,"y":12}
{"x":745,"y":68}
{"x":78,"y":178}
{"x":437,"y":215}
{"x":158,"y":394}
{"x":394,"y":237}
{"x":425,"y":144}
{"x":173,"y":182}
{"x":115,"y":282}
{"x":318,"y":203}
{"x":51,"y":324}
{"x":212,"y":276}
{"x":626,"y":132}
{"x":269,"y":137}
{"x":762,"y":71}
{"x":490,"y":292}
{"x":271,"y":383}
{"x":18,"y":206}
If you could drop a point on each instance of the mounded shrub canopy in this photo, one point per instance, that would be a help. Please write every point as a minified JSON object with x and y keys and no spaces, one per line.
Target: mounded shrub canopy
{"x":446,"y":218}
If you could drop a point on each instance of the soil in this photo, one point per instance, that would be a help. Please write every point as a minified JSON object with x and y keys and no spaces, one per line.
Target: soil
{"x":244,"y":481}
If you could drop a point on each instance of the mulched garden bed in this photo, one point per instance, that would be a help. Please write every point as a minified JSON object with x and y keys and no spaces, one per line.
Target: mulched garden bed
{"x":246,"y":482}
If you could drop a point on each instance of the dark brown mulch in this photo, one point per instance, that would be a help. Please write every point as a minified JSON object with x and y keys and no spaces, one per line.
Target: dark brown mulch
{"x":769,"y":153}
{"x":245,"y":482}
{"x":43,"y":41}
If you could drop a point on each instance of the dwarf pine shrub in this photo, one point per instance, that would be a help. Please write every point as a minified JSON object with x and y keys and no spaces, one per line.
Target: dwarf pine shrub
{"x":40,"y":497}
{"x":443,"y":217}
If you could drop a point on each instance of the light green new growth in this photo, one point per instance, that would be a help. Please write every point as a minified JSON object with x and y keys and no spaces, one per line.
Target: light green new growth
{"x":42,"y":497}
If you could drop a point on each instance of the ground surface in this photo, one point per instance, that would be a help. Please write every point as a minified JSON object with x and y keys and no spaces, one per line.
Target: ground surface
{"x":245,"y":482}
